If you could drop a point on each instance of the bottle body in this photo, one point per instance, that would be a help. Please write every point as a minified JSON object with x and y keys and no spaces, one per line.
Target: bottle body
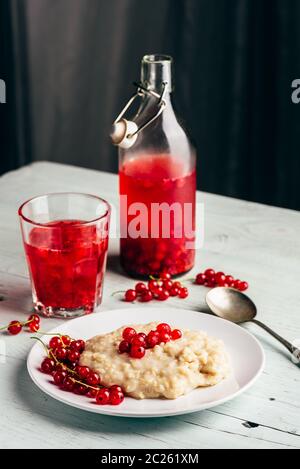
{"x":157,"y":195}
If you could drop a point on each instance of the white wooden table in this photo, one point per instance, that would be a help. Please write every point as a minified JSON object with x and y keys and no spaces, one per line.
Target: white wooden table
{"x":254,"y":242}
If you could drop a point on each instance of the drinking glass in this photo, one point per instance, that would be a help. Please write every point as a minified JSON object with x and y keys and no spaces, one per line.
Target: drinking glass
{"x":65,"y":239}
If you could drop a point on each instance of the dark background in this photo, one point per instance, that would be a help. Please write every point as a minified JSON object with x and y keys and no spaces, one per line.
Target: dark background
{"x":69,"y":65}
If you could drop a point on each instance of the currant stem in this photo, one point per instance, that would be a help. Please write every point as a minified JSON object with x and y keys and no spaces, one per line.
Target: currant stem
{"x":45,"y":347}
{"x":117,"y":292}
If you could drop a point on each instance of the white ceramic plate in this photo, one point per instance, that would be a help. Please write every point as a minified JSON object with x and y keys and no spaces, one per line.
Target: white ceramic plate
{"x":246,"y":355}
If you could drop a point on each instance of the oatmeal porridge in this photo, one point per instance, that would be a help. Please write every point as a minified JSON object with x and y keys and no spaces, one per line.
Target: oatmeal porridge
{"x":168,"y":370}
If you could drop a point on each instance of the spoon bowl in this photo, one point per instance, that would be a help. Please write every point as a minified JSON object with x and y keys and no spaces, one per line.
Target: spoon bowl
{"x":231,"y":304}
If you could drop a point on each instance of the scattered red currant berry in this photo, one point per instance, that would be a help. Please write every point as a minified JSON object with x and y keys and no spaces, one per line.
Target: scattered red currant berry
{"x":116,"y":397}
{"x":34,"y":318}
{"x":153,"y":285}
{"x":174,"y":291}
{"x":163,"y":295}
{"x":141,"y":287}
{"x":14,"y":327}
{"x":200,"y":279}
{"x":128,"y":333}
{"x":55,"y":342}
{"x":220,"y":278}
{"x":47,"y":365}
{"x":230,"y":280}
{"x":176,"y":334}
{"x":177,"y":284}
{"x":243,"y":286}
{"x":209,"y":273}
{"x":146,"y":297}
{"x":183,"y":293}
{"x":93,"y":378}
{"x":124,"y":346}
{"x":137,"y":351}
{"x":102,"y":396}
{"x":130,"y":295}
{"x":167,"y":284}
{"x":33,"y":326}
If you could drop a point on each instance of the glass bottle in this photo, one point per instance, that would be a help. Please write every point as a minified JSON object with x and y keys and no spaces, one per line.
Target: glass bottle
{"x":157,"y":182}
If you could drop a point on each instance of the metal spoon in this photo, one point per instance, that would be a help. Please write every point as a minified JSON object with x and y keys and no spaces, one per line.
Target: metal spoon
{"x":237,"y":307}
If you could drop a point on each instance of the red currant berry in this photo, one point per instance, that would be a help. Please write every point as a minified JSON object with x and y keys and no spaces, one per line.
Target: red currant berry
{"x":163,"y":327}
{"x":165,"y":276}
{"x":128,"y":333}
{"x":138,"y":341}
{"x":164,"y":337}
{"x":220,"y":278}
{"x":80,"y":389}
{"x":59,"y":376}
{"x":137,"y":351}
{"x":174,"y":291}
{"x":66,"y":340}
{"x":60,"y":367}
{"x":183,"y":293}
{"x":243,"y":286}
{"x":230,"y":280}
{"x":141,"y":287}
{"x":55,"y":342}
{"x":153,"y":285}
{"x":73,"y":356}
{"x":124,"y":346}
{"x":146,"y":297}
{"x":116,"y":397}
{"x":48,"y":365}
{"x":236,"y":284}
{"x":116,"y":387}
{"x":177,"y":284}
{"x":210,"y":283}
{"x":82,"y":371}
{"x":102,"y":396}
{"x":200,"y":279}
{"x":163,"y":295}
{"x":176,"y":334}
{"x":68,"y":384}
{"x":77,"y":345}
{"x":34,"y":326}
{"x":130,"y":295}
{"x":34,"y":318}
{"x":93,"y":379}
{"x":14,"y":327}
{"x":92,"y":392}
{"x":143,"y":335}
{"x":167,"y":284}
{"x":61,"y":353}
{"x":209,"y":273}
{"x":152,"y":339}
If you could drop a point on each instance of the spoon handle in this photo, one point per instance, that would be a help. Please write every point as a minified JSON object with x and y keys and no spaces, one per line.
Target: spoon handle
{"x":291,"y":348}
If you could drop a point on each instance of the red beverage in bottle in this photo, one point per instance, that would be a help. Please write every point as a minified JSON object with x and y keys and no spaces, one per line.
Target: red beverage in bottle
{"x":161,"y":239}
{"x":66,"y":260}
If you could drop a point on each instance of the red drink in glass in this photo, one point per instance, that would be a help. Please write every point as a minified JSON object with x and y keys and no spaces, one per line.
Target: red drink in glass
{"x":66,"y":257}
{"x":157,"y":179}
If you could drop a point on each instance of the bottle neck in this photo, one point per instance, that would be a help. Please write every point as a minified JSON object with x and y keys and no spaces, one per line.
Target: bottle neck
{"x":156,"y":70}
